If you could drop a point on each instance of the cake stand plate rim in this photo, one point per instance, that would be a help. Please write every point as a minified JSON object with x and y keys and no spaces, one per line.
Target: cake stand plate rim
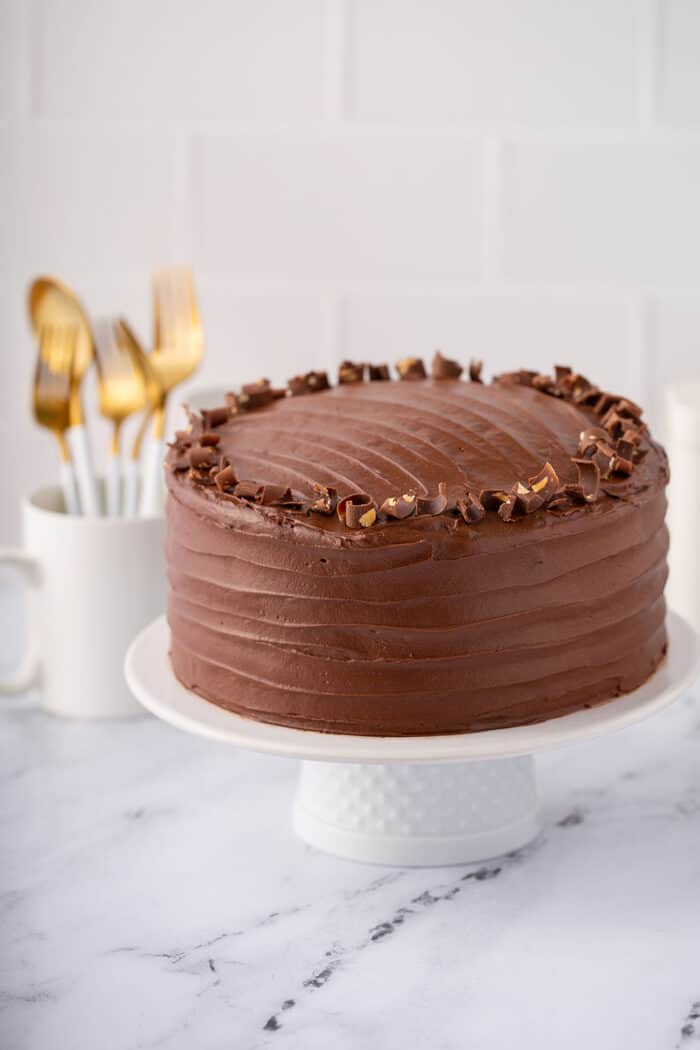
{"x":153,"y":683}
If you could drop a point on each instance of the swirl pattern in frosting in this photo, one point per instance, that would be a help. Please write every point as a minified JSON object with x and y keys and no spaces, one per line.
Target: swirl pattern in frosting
{"x":424,"y":625}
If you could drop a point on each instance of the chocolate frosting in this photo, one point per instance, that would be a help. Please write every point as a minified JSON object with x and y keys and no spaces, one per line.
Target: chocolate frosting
{"x":448,"y":621}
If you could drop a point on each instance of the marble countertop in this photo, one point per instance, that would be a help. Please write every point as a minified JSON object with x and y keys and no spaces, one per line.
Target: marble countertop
{"x":153,"y":895}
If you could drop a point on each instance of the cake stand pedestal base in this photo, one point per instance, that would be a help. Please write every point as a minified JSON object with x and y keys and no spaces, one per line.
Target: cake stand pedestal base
{"x":409,"y":800}
{"x":418,"y":814}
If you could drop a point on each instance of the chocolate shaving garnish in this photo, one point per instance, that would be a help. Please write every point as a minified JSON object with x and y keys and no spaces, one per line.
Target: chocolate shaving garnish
{"x":523,"y":377}
{"x":379,"y":373}
{"x":225,"y":479}
{"x":475,"y":369}
{"x":258,"y":395}
{"x":350,"y":372}
{"x":545,"y":483}
{"x":432,"y":504}
{"x":208,"y":438}
{"x":588,"y":479}
{"x":471,"y":508}
{"x":587,"y":397}
{"x":640,"y":454}
{"x":183,"y":439}
{"x":358,"y":510}
{"x":202,"y":457}
{"x":526,"y":501}
{"x":614,"y":423}
{"x":620,"y":465}
{"x":492,"y":499}
{"x":232,"y":403}
{"x":625,"y":448}
{"x":604,"y":402}
{"x":587,"y":440}
{"x":506,"y":511}
{"x":215,"y":417}
{"x":400,"y":506}
{"x":325,"y":499}
{"x":633,"y":437}
{"x":561,"y":372}
{"x":248,"y":490}
{"x":257,"y":387}
{"x":411,"y":368}
{"x":308,"y":383}
{"x":546,"y":385}
{"x":444,"y":368}
{"x":271,"y":495}
{"x":625,"y":407}
{"x":603,"y":456}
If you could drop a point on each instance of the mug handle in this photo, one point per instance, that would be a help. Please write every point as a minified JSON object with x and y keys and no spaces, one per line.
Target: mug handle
{"x":27,"y":674}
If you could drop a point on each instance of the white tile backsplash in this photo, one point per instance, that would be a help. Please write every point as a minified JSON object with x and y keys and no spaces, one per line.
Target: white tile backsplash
{"x":366,"y":178}
{"x":338,"y":207}
{"x":449,"y":62}
{"x":177,"y":60}
{"x":626,"y":213}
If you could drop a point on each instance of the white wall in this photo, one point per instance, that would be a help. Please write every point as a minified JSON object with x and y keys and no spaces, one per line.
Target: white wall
{"x":517,"y":180}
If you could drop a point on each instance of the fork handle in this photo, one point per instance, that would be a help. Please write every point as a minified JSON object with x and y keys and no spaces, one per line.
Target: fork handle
{"x":131,"y":487}
{"x":151,"y":504}
{"x":70,"y":487}
{"x":114,"y":484}
{"x":80,"y":454}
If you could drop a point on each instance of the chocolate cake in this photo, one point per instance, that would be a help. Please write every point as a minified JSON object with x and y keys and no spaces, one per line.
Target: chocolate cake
{"x":417,"y":555}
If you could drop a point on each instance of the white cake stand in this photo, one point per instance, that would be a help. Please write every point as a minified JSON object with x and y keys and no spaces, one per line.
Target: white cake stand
{"x":408,"y":800}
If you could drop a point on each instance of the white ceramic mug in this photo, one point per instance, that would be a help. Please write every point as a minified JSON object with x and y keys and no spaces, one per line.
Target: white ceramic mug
{"x":93,"y":583}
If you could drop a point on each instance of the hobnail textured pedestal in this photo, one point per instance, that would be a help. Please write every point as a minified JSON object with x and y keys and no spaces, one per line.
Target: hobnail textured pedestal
{"x":417,"y":814}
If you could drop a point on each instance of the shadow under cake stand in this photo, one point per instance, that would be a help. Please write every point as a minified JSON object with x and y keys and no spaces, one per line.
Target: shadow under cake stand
{"x":426,"y":800}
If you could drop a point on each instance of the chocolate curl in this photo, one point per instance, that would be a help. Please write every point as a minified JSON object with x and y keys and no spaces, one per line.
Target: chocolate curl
{"x":475,"y":368}
{"x":628,"y":408}
{"x":561,"y":372}
{"x":603,"y":457}
{"x":325,"y":499}
{"x":614,"y":423}
{"x":625,"y":448}
{"x":523,"y":377}
{"x":226,"y":479}
{"x":444,"y":368}
{"x":248,"y":490}
{"x":215,"y":417}
{"x":183,"y":439}
{"x":411,"y":368}
{"x":561,"y":500}
{"x":604,"y":402}
{"x":588,"y":479}
{"x":232,"y":403}
{"x":587,"y":398}
{"x":400,"y":506}
{"x":493,"y":499}
{"x":202,"y":457}
{"x":433,"y":504}
{"x":308,"y":383}
{"x":587,"y":440}
{"x":180,"y":461}
{"x":379,"y":373}
{"x":258,"y":395}
{"x":545,"y":483}
{"x":506,"y":511}
{"x":620,"y":465}
{"x":526,"y":501}
{"x":209,"y":439}
{"x":350,"y":372}
{"x":357,"y":511}
{"x":546,"y":385}
{"x":471,"y":508}
{"x":273,"y":495}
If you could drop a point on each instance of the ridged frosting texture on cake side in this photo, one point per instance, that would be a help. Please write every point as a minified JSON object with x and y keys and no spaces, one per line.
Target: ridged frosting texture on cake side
{"x":423,"y":625}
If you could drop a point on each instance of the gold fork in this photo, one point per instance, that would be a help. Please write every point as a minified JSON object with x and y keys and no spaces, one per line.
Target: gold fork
{"x":123,"y":391}
{"x":178,"y":348}
{"x":51,"y":398}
